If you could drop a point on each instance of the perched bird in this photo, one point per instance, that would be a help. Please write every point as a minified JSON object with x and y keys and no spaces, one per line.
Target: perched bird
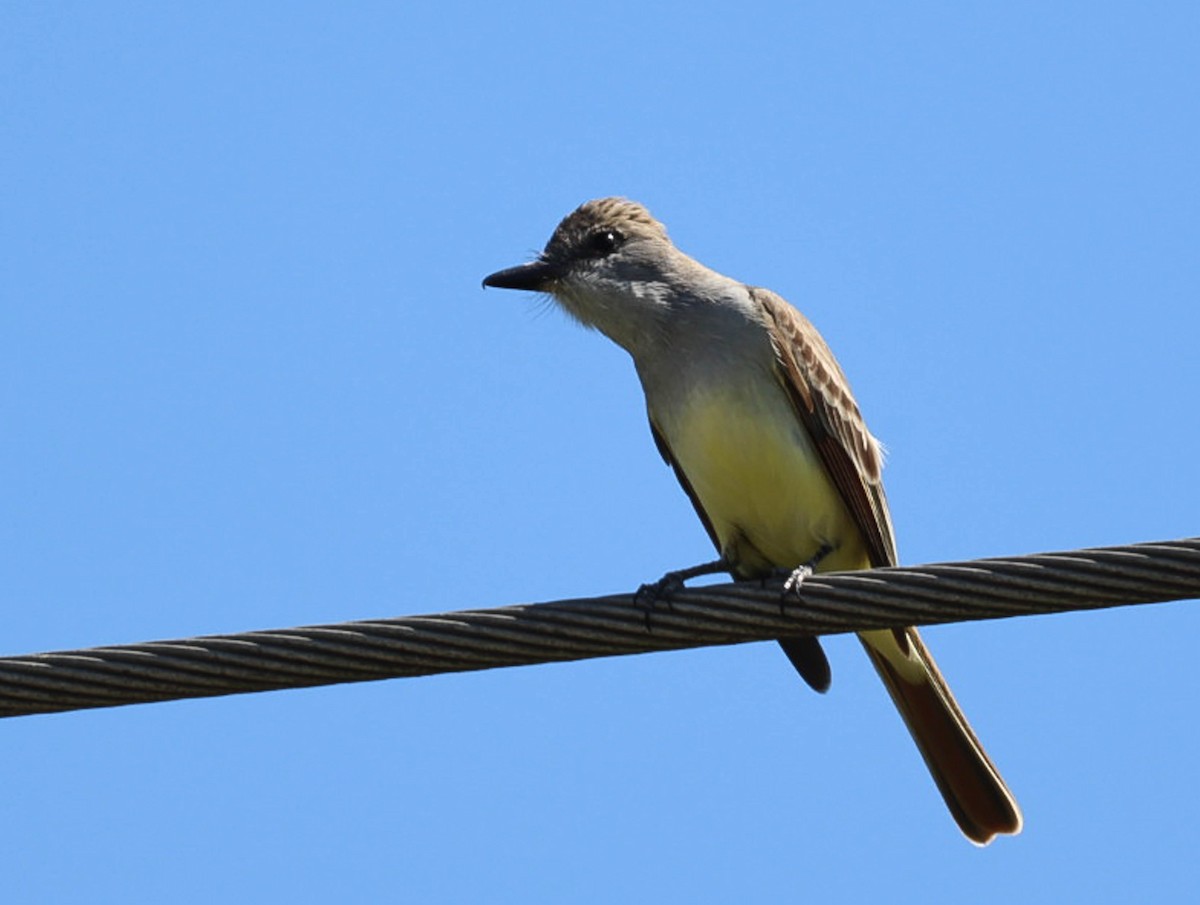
{"x":749,"y":407}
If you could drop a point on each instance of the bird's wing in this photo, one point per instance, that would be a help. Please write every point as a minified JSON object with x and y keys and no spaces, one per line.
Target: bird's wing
{"x":966,"y":777}
{"x":821,"y":397}
{"x":665,"y":451}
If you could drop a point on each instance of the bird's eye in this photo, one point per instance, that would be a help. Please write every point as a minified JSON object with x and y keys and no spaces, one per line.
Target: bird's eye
{"x":603,"y":242}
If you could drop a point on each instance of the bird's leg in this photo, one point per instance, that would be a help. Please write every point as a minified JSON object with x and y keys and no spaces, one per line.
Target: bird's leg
{"x":673,"y":581}
{"x":650,"y":594}
{"x":791,"y":584}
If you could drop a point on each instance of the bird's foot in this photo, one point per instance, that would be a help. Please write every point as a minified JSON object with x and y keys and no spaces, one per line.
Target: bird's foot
{"x":791,"y":584}
{"x":649,"y":595}
{"x":797,"y":576}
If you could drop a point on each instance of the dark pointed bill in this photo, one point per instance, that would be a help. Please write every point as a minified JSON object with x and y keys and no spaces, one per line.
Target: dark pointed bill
{"x":532,"y":276}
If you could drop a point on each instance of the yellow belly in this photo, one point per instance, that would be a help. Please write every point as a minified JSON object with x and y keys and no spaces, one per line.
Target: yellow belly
{"x":760,"y":482}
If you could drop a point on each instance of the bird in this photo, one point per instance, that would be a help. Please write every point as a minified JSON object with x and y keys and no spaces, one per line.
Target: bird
{"x":755,"y":416}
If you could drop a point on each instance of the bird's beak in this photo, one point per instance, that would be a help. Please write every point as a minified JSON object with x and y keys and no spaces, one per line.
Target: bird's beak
{"x":534,"y":276}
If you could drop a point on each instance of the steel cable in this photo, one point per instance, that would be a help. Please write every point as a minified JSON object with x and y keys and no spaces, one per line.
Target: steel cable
{"x":597,"y":627}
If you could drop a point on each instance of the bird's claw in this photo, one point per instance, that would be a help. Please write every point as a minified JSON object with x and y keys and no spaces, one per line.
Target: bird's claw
{"x":797,"y":577}
{"x":649,"y":595}
{"x":792,"y":583}
{"x":652,"y":592}
{"x":791,"y":586}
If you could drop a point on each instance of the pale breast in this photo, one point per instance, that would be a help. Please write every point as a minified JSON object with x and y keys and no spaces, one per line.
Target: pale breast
{"x":759,"y":479}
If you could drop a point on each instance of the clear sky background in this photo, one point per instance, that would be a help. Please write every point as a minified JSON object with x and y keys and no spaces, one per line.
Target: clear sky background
{"x":249,"y":379}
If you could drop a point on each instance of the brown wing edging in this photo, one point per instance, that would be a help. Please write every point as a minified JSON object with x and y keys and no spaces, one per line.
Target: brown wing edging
{"x":823,"y":402}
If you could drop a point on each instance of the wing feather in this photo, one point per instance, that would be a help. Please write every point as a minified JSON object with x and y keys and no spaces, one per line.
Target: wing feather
{"x":822,"y":400}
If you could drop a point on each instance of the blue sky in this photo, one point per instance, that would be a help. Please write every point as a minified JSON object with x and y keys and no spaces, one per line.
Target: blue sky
{"x":249,"y":379}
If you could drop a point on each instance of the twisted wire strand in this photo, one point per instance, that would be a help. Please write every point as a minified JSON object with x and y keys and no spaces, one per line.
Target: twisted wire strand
{"x":576,"y":629}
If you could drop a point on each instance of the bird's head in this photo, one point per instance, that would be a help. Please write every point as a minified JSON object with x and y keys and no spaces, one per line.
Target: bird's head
{"x":609,"y":264}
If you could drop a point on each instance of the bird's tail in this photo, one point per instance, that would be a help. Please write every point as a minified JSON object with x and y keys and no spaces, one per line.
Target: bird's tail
{"x":968,"y":780}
